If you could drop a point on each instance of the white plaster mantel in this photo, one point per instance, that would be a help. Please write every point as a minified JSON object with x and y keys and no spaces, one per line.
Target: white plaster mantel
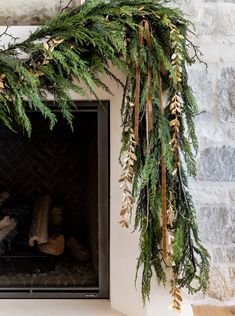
{"x":123,"y":247}
{"x":58,"y":308}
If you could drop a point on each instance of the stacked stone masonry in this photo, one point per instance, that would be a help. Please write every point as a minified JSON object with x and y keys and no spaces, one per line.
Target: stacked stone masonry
{"x":214,"y":188}
{"x":30,"y":12}
{"x":214,"y":87}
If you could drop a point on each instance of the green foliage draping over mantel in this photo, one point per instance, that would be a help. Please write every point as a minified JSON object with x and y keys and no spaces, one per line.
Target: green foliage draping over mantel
{"x":147,"y":40}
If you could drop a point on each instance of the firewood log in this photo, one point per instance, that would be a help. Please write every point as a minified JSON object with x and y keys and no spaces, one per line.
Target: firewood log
{"x":39,"y":227}
{"x":7,"y":225}
{"x":54,"y":246}
{"x":77,"y":249}
{"x":56,"y":219}
{"x":4,"y":196}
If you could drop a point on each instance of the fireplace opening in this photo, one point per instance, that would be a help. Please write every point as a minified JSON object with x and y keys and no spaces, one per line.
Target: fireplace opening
{"x":54,"y":207}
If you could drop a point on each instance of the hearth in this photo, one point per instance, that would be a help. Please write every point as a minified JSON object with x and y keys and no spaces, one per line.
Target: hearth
{"x":54,"y":207}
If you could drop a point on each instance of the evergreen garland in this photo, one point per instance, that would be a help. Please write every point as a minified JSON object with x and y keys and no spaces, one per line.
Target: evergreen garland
{"x":148,"y":41}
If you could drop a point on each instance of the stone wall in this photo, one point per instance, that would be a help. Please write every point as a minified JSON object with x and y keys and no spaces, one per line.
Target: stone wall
{"x":29,"y":12}
{"x":214,"y":87}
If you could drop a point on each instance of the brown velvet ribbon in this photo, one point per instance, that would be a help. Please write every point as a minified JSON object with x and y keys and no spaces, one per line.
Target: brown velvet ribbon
{"x":163,"y":181}
{"x":149,"y":119}
{"x":137,"y":88}
{"x":149,"y":105}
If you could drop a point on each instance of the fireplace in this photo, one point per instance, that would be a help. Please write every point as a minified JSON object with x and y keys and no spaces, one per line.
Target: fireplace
{"x":55,"y":197}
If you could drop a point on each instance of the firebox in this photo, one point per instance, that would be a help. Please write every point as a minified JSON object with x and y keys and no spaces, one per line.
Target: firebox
{"x":54,"y":206}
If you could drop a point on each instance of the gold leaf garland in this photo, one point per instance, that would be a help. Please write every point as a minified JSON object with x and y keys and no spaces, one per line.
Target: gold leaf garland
{"x":126,"y":178}
{"x":176,"y":102}
{"x":177,"y":298}
{"x":175,"y":106}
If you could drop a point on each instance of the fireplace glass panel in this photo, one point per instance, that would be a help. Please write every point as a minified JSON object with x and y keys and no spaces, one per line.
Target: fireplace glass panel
{"x":51,"y":238}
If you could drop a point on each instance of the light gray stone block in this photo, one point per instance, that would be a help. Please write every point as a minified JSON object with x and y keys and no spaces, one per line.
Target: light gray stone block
{"x":217,"y":164}
{"x":217,"y":255}
{"x":217,"y":21}
{"x":30,"y":12}
{"x":209,"y":132}
{"x":226,"y":95}
{"x":220,"y":1}
{"x":231,"y":133}
{"x":201,"y":80}
{"x":223,"y":255}
{"x":191,"y":7}
{"x":222,"y":283}
{"x":207,"y":195}
{"x":232,"y":194}
{"x":215,"y":226}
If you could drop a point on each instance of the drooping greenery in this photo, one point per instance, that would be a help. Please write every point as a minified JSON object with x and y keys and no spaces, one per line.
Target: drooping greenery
{"x":147,"y":40}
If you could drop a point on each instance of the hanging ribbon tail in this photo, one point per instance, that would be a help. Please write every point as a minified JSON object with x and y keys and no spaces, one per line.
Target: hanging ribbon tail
{"x":163,"y":180}
{"x":164,"y":211}
{"x":149,"y":103}
{"x":137,"y":87}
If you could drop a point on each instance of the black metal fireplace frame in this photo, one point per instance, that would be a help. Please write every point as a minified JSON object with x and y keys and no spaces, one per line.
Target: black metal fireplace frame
{"x":102,"y":290}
